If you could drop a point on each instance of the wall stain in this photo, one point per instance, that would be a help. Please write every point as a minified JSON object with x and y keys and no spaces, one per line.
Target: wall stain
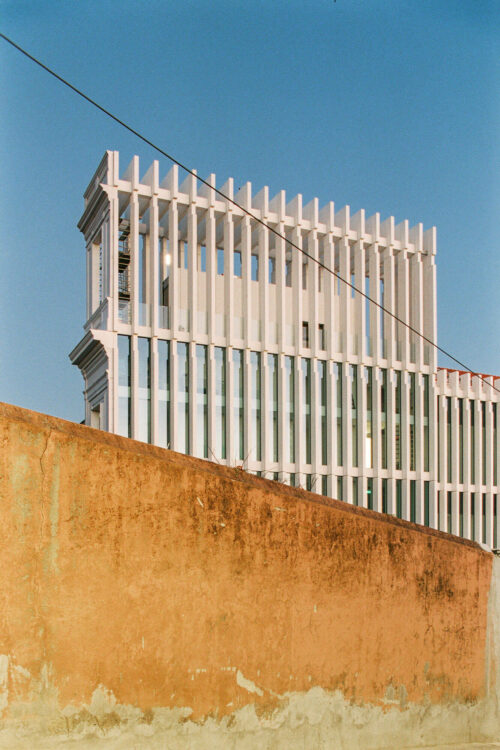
{"x":163,"y":577}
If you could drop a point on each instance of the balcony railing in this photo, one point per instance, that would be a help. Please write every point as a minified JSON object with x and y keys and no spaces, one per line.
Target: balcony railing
{"x":144,"y":314}
{"x":99,"y":318}
{"x":163,"y":317}
{"x":124,"y":312}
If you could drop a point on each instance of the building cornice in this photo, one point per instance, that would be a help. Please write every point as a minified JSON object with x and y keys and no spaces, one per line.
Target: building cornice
{"x":93,"y":344}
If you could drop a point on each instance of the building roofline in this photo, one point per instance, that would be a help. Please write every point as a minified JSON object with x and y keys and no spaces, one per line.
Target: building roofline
{"x":468,"y":372}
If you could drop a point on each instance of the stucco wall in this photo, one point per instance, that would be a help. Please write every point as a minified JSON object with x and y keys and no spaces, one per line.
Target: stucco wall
{"x":148,"y":597}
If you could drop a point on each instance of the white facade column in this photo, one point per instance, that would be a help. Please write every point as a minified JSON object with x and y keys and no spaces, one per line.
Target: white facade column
{"x":228,"y":270}
{"x":442,"y":458}
{"x":246,"y":277}
{"x":403,"y":307}
{"x":405,"y":440}
{"x":300,"y":450}
{"x":163,"y":279}
{"x":174,"y":390}
{"x":467,"y":463}
{"x":467,"y":533}
{"x":377,"y":438}
{"x":134,"y":387}
{"x":283,"y":458}
{"x":497,"y":520}
{"x":192,"y":421}
{"x":105,"y":286}
{"x":230,"y":426}
{"x":389,"y":304}
{"x":313,"y":292}
{"x":154,"y":261}
{"x":315,"y":424}
{"x":359,"y":335}
{"x":497,"y":441}
{"x":391,"y":496}
{"x":112,"y":400}
{"x":154,"y":390}
{"x":280,"y":260}
{"x":419,"y":502}
{"x":347,"y":432}
{"x":433,"y":505}
{"x":377,"y":494}
{"x":489,"y":440}
{"x":361,"y":418}
{"x":455,"y":447}
{"x":454,"y":452}
{"x":212,"y":396}
{"x":478,"y":515}
{"x":455,"y":513}
{"x":134,"y":261}
{"x":114,"y":211}
{"x":297,"y":276}
{"x":497,"y":459}
{"x":417,"y":309}
{"x":478,"y":450}
{"x":419,"y":438}
{"x":331,"y":426}
{"x":261,"y":203}
{"x":374,"y":311}
{"x":173,"y":243}
{"x":345,"y":296}
{"x":211,"y":251}
{"x":329,"y":282}
{"x":192,"y":270}
{"x":266,"y":401}
{"x":488,"y":499}
{"x":391,"y":439}
{"x":443,"y":509}
{"x":89,"y":286}
{"x":418,"y":419}
{"x":249,"y":458}
{"x":264,"y":285}
{"x":430,"y":296}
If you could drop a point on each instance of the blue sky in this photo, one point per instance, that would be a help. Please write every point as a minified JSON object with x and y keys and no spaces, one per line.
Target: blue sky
{"x":388,"y":105}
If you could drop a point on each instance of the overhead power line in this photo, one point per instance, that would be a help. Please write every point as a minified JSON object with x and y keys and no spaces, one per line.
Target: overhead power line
{"x":171,"y":158}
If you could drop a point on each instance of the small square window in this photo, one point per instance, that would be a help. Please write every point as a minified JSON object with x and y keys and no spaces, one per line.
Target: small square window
{"x":182,"y":260}
{"x":95,"y":417}
{"x":255,"y":267}
{"x":305,"y":335}
{"x":220,"y":261}
{"x":321,"y":336}
{"x":237,"y":263}
{"x":272,"y":270}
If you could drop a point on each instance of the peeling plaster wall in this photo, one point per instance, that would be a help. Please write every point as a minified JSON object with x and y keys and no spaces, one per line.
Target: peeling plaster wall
{"x":151,"y":598}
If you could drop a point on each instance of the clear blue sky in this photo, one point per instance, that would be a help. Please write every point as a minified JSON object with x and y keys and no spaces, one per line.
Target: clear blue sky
{"x":388,"y":105}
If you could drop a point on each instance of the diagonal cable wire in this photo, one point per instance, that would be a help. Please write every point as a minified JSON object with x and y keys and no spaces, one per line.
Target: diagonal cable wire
{"x":245,"y":210}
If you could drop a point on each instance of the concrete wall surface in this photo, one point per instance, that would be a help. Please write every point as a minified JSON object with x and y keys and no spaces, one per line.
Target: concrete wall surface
{"x":153,"y":600}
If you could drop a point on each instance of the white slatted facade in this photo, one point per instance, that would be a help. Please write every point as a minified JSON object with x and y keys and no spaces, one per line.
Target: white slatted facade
{"x":208,"y":334}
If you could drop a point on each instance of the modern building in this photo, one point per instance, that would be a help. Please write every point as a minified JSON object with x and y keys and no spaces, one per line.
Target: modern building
{"x":208,"y":334}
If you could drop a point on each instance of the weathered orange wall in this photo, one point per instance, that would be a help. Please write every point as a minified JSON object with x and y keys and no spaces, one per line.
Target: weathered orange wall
{"x":162,"y":577}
